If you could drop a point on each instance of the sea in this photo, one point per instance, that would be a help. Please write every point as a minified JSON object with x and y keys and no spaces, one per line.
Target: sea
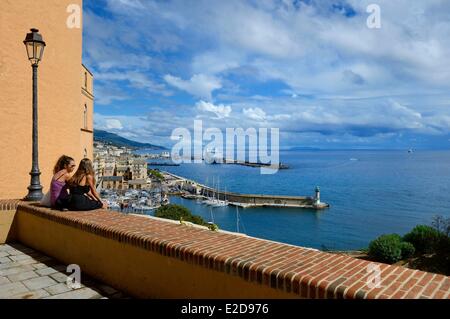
{"x":370,"y":193}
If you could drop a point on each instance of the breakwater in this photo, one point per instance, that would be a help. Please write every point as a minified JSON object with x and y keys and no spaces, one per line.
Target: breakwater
{"x":194,"y":190}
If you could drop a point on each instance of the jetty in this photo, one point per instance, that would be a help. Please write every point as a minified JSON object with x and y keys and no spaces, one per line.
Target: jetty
{"x":194,"y":190}
{"x":218,"y":160}
{"x":161,"y":164}
{"x":254,"y":164}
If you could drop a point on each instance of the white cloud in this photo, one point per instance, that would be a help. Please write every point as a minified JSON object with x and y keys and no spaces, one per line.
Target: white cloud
{"x":130,"y":3}
{"x":336,"y":77}
{"x":114,"y":124}
{"x":214,"y":62}
{"x":221,"y":111}
{"x":199,"y":85}
{"x":256,"y":114}
{"x":107,"y":95}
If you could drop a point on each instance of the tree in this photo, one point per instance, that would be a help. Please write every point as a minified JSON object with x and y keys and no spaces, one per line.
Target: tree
{"x":178,"y":212}
{"x":156,"y":175}
{"x":424,"y":238}
{"x":441,"y":224}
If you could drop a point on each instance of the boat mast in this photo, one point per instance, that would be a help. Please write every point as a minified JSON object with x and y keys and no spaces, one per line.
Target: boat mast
{"x":212,"y":215}
{"x":217,"y":189}
{"x":237,"y":218}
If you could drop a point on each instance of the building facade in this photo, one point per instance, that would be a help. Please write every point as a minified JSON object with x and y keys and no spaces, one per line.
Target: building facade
{"x":87,"y":106}
{"x":65,"y":91}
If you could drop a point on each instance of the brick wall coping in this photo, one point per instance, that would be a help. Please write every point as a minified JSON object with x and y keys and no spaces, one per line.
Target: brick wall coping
{"x":307,"y":273}
{"x":9,"y":204}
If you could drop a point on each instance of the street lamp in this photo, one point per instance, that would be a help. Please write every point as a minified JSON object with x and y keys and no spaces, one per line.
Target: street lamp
{"x":35,"y":49}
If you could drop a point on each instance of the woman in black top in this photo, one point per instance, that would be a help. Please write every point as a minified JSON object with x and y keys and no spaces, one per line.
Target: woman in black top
{"x":83,"y":195}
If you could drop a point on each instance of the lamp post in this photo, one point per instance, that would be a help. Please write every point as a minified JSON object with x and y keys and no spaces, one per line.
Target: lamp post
{"x":35,"y":49}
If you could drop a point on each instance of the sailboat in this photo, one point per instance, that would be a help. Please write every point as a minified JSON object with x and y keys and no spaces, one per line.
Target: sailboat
{"x":199,"y":200}
{"x":218,"y":202}
{"x":210,"y":201}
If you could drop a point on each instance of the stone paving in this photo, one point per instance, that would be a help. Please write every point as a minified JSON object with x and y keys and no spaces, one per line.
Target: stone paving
{"x":28,"y":274}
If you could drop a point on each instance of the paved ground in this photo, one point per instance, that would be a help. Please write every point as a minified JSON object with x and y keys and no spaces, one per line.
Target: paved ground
{"x":28,"y":274}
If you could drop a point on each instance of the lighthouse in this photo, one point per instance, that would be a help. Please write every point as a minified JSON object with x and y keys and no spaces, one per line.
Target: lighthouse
{"x":317,"y":197}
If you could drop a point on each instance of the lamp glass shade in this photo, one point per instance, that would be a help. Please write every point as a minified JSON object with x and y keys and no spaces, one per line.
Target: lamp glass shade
{"x":35,"y":46}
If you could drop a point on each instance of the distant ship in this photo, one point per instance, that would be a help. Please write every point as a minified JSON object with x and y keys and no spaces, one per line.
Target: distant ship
{"x":410,"y":150}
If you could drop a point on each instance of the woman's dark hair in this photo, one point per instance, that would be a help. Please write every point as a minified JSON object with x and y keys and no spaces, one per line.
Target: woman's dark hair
{"x":84,"y":169}
{"x":61,"y":164}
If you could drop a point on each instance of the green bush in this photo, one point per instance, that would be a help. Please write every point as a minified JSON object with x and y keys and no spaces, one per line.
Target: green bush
{"x":442,"y":246}
{"x":156,"y":174}
{"x":386,"y":248}
{"x":213,"y":227}
{"x":407,"y":249}
{"x":178,"y":212}
{"x":424,"y":238}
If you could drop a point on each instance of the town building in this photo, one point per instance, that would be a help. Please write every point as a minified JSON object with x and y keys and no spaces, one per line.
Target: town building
{"x":120,"y":170}
{"x":112,"y":182}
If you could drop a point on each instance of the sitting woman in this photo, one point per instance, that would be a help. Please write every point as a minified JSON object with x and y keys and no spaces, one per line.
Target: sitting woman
{"x":83,"y":195}
{"x":59,"y":195}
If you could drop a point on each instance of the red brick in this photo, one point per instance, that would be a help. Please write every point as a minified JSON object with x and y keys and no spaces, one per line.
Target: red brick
{"x":298,"y":270}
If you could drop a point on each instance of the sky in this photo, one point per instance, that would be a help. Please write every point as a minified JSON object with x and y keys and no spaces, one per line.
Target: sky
{"x":313,"y":69}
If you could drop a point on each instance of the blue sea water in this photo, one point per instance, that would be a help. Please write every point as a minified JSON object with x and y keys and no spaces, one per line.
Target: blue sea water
{"x":370,"y":193}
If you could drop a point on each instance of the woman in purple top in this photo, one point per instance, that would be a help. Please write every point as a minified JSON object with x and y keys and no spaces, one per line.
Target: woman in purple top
{"x":59,"y":195}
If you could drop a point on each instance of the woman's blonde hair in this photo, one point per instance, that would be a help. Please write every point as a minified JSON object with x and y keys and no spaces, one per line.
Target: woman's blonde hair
{"x":84,"y":169}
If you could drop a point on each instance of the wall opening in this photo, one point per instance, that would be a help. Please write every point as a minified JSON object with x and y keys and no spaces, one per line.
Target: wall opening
{"x":85,"y":120}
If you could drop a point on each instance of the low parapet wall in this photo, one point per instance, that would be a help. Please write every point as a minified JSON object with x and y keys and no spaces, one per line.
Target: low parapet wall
{"x":152,"y":258}
{"x":8,"y":210}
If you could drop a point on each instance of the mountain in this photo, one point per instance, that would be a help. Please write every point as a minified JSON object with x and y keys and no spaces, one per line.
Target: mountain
{"x":114,"y":139}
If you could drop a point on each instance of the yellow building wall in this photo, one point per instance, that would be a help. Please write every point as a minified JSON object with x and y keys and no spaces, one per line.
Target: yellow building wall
{"x":60,"y":98}
{"x":87,"y":121}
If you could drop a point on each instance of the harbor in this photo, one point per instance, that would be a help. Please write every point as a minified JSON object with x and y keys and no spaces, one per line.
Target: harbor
{"x":129,"y":184}
{"x":134,"y":201}
{"x":143,"y":201}
{"x":190,"y":189}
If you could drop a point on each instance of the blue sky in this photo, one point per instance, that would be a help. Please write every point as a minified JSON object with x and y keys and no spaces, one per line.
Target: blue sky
{"x":313,"y":69}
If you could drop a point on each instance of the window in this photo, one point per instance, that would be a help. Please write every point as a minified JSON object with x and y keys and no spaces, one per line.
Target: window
{"x":85,"y":121}
{"x":85,"y":80}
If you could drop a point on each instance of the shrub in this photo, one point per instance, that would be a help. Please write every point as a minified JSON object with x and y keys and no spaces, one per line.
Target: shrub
{"x":424,"y":238}
{"x":213,"y":227}
{"x":386,"y":248}
{"x":442,"y":246}
{"x":178,"y":212}
{"x":407,"y":249}
{"x":156,"y":174}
